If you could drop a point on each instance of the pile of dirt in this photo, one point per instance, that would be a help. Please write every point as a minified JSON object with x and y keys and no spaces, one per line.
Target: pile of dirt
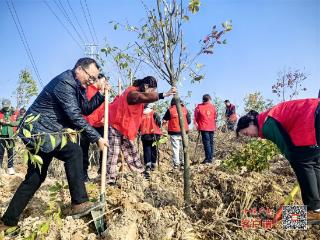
{"x":153,"y":209}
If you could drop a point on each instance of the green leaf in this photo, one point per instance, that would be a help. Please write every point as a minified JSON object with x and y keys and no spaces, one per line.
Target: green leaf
{"x":53,"y":141}
{"x":194,"y":6}
{"x":38,"y":145}
{"x":44,"y":228}
{"x":53,"y":188}
{"x":26,"y":133}
{"x":25,"y":156}
{"x":64,"y":141}
{"x":199,"y":66}
{"x":185,"y":17}
{"x":73,"y":137}
{"x":29,"y":118}
{"x":9,"y":144}
{"x":11,"y":230}
{"x":38,"y":159}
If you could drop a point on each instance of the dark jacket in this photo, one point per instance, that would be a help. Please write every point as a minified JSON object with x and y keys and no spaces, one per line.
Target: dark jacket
{"x":61,"y":105}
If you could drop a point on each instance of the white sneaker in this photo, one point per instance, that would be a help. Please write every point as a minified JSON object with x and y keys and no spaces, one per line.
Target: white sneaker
{"x":11,"y":171}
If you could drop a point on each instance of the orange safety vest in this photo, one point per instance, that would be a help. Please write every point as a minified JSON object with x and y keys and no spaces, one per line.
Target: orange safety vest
{"x":148,"y":125}
{"x":205,"y":116}
{"x":124,"y":117}
{"x":297,"y":118}
{"x":173,"y":124}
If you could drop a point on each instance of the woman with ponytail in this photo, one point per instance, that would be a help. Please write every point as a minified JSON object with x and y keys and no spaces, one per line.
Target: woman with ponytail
{"x":125,"y":116}
{"x":294,"y":126}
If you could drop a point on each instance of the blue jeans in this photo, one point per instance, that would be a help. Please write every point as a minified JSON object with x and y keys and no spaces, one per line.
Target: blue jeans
{"x":207,"y":140}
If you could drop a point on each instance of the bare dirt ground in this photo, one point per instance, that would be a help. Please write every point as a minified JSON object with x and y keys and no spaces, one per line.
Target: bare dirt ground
{"x":153,"y":209}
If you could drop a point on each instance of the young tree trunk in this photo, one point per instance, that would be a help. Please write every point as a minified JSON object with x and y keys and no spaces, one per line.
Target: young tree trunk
{"x":186,"y":173}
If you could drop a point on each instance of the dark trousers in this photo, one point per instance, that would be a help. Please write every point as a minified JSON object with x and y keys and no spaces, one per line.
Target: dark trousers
{"x":308,"y":175}
{"x":149,"y":153}
{"x":208,"y":144}
{"x":71,"y":154}
{"x":10,"y":149}
{"x":85,"y":144}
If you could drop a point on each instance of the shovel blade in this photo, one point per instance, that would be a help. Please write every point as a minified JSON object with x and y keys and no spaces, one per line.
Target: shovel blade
{"x":98,"y":219}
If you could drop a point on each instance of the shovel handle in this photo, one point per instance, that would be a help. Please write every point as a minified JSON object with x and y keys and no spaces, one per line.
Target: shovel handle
{"x":105,"y":149}
{"x":288,"y":199}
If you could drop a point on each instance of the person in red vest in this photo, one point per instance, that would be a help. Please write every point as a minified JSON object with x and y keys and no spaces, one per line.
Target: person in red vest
{"x":171,"y":117}
{"x":150,"y":132}
{"x":205,"y":116}
{"x":8,"y":124}
{"x":96,"y":120}
{"x":294,"y":126}
{"x":230,"y":115}
{"x":125,"y":116}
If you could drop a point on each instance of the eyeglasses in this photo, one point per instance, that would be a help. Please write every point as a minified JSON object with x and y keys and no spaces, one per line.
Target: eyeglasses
{"x":91,"y":78}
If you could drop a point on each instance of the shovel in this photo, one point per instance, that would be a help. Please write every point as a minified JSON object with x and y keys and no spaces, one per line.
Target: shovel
{"x":289,"y":198}
{"x":98,"y":213}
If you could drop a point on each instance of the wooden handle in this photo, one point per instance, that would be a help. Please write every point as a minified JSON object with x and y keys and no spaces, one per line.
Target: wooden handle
{"x":105,"y":149}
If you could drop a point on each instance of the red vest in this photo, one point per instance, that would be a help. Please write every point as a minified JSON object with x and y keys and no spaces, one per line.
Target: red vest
{"x":13,"y":118}
{"x":148,"y":125}
{"x":124,"y":117}
{"x":205,"y":116}
{"x":95,"y":118}
{"x":297,"y":118}
{"x":173,"y":124}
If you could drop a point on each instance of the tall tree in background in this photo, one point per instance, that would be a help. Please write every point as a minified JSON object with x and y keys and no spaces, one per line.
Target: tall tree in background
{"x":161,"y":46}
{"x":26,"y":89}
{"x":289,"y":84}
{"x":255,"y":101}
{"x":221,"y":109}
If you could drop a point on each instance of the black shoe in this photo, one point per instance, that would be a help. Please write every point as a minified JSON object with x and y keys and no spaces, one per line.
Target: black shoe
{"x":153,"y":166}
{"x":206,"y":161}
{"x":112,"y":184}
{"x":146,"y":172}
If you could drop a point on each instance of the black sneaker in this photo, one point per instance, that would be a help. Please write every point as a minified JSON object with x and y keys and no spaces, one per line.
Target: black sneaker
{"x":146,"y":175}
{"x":153,"y":166}
{"x":206,"y":161}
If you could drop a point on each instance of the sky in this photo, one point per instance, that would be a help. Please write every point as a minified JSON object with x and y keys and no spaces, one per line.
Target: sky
{"x":267,"y":37}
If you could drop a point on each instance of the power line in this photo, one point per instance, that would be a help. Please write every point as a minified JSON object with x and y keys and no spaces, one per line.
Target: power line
{"x":52,"y":11}
{"x":28,"y":47}
{"x":85,"y":16}
{"x":23,"y":39}
{"x":66,"y":15}
{"x":94,"y":31}
{"x":77,"y":21}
